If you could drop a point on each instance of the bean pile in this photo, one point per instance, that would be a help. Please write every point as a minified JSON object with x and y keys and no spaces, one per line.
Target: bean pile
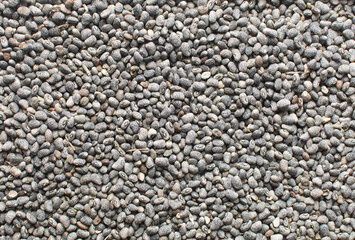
{"x":162,"y":119}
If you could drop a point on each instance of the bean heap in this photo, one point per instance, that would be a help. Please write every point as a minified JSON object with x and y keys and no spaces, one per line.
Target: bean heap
{"x":162,"y":119}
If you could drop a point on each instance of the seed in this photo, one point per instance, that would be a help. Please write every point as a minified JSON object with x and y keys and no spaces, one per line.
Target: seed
{"x":188,"y":119}
{"x":206,"y":75}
